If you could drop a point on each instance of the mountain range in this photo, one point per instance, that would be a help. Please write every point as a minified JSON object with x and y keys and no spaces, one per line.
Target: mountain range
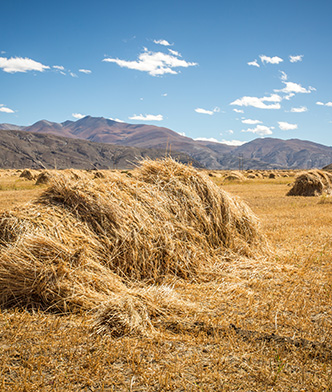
{"x":262,"y":153}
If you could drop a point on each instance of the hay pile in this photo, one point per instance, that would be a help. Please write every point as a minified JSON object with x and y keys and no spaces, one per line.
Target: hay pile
{"x":28,"y":174}
{"x":312,"y":183}
{"x":104,"y":247}
{"x":235,"y":176}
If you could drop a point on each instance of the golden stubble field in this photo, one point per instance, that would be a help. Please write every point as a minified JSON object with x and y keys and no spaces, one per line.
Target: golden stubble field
{"x":266,"y":326}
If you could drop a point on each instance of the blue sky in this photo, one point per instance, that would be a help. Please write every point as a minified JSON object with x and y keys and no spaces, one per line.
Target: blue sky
{"x":227,"y":70}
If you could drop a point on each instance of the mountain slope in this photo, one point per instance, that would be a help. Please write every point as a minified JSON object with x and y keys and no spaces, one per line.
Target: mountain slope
{"x":20,"y":149}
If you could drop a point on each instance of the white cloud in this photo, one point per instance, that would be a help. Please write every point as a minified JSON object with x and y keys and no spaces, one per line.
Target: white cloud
{"x":3,"y":109}
{"x":86,"y":71}
{"x":230,"y":131}
{"x":72,"y":74}
{"x":164,"y":95}
{"x":295,"y":59}
{"x":213,"y":140}
{"x":181,"y":133}
{"x":301,"y":109}
{"x":162,"y":42}
{"x":251,"y":122}
{"x":174,"y":52}
{"x":59,"y":67}
{"x":259,"y":102}
{"x":292,"y":87}
{"x":155,"y":63}
{"x":116,"y":119}
{"x":20,"y":64}
{"x":254,"y":63}
{"x":78,"y":115}
{"x":238,"y":111}
{"x":324,"y":104}
{"x":232,"y":142}
{"x":285,"y":126}
{"x":271,"y":60}
{"x":147,"y":117}
{"x":260,"y":130}
{"x":209,"y":112}
{"x":289,"y":96}
{"x":283,"y":76}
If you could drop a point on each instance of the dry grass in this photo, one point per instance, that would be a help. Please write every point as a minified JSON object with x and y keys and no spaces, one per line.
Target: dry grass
{"x":288,"y":294}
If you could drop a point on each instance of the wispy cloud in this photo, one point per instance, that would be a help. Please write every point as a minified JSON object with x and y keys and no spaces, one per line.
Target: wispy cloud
{"x":20,"y":64}
{"x":238,"y":110}
{"x":154,"y":63}
{"x":162,"y":42}
{"x":164,"y":95}
{"x":73,"y":75}
{"x":254,"y":63}
{"x":86,"y":71}
{"x":209,"y":112}
{"x":283,"y":76}
{"x":259,"y":102}
{"x":78,"y":115}
{"x":260,"y":130}
{"x":285,"y":126}
{"x":251,"y":122}
{"x":301,"y":109}
{"x":270,"y":60}
{"x":174,"y":52}
{"x":295,"y":59}
{"x":147,"y":117}
{"x":324,"y":104}
{"x":4,"y":109}
{"x":59,"y":67}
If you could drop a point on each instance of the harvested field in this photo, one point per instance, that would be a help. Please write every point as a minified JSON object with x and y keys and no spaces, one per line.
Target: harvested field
{"x":242,"y":319}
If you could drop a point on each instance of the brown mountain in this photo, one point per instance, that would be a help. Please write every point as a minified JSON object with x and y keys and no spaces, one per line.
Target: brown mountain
{"x":267,"y":153}
{"x":102,"y":130}
{"x":20,"y":149}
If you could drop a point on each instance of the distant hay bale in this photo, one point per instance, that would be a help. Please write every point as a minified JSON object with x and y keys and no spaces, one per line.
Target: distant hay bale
{"x":251,"y":176}
{"x":28,"y":174}
{"x":312,"y":183}
{"x":74,"y":247}
{"x":43,"y":178}
{"x":235,"y":176}
{"x":272,"y":175}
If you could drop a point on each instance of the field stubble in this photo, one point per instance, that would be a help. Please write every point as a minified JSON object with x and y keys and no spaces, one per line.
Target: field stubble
{"x":233,"y":346}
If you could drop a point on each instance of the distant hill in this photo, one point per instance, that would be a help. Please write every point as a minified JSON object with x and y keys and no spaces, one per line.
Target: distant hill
{"x":20,"y":149}
{"x":267,"y":153}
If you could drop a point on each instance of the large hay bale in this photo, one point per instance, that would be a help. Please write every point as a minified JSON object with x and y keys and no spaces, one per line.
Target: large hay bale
{"x":76,"y":245}
{"x":312,"y":183}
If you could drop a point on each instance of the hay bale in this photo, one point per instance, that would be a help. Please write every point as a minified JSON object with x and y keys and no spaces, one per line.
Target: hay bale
{"x":272,"y":175}
{"x":312,"y":183}
{"x":251,"y":176}
{"x":28,"y":174}
{"x":235,"y":176}
{"x":43,"y":178}
{"x":73,"y":248}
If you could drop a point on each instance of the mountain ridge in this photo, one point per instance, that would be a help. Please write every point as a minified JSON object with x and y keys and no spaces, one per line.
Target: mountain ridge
{"x":261,"y":153}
